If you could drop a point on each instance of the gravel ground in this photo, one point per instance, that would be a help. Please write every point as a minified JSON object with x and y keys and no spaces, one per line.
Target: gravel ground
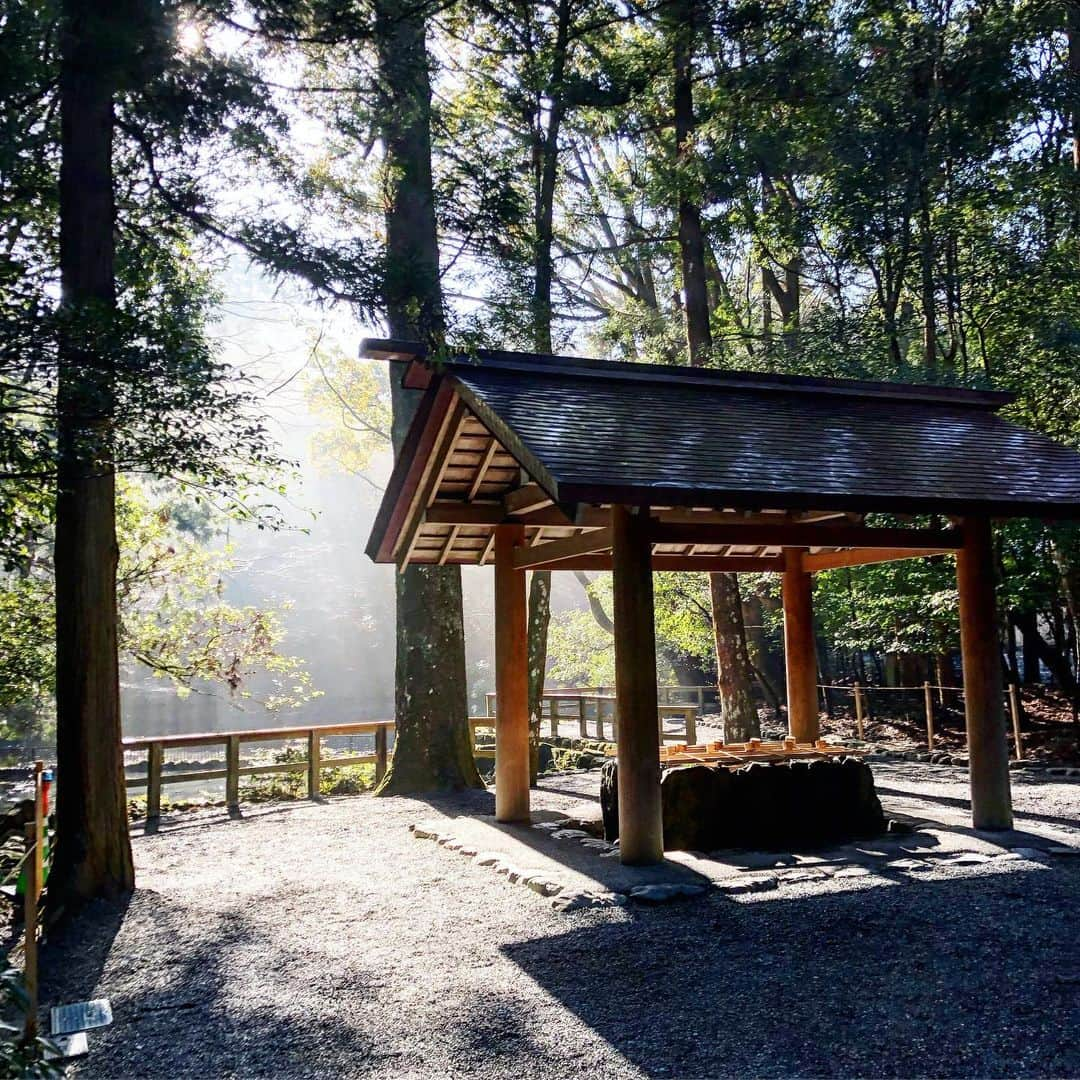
{"x":323,"y":940}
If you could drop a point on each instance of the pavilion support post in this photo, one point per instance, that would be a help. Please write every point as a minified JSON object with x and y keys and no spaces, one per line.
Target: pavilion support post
{"x":511,"y":680}
{"x":984,"y":711}
{"x":799,"y":651}
{"x":641,"y":833}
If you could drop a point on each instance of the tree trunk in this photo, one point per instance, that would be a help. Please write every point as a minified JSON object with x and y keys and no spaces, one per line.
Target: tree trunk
{"x":433,"y":747}
{"x":732,"y":662}
{"x":545,"y":176}
{"x":691,"y":235}
{"x":1072,"y":32}
{"x":93,"y":850}
{"x":733,"y":667}
{"x":539,"y":618}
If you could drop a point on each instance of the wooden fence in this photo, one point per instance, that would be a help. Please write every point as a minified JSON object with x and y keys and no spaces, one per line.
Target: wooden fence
{"x":599,"y":710}
{"x":156,"y":745}
{"x":861,"y":693}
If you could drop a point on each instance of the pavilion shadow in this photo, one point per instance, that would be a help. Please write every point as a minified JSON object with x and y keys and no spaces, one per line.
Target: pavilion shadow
{"x":953,"y":978}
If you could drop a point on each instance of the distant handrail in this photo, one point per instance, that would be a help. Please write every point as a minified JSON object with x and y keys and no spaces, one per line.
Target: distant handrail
{"x":155,"y":746}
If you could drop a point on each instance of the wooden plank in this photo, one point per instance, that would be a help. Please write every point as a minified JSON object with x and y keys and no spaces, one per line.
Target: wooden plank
{"x":796,"y":535}
{"x":232,"y":771}
{"x":314,"y":752}
{"x":526,"y":498}
{"x":732,"y":564}
{"x":381,"y":752}
{"x":832,"y":560}
{"x":154,"y":762}
{"x":482,"y":469}
{"x":429,"y":481}
{"x":556,"y":551}
{"x":447,"y":547}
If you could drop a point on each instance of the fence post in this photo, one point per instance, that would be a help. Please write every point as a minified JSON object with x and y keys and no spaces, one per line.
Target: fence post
{"x":583,"y":731}
{"x":232,"y":772}
{"x":314,"y":765}
{"x":928,"y":695}
{"x":1014,"y":709}
{"x":691,"y":725}
{"x":380,"y":750}
{"x":859,"y":729}
{"x":154,"y":759}
{"x":701,"y":698}
{"x":600,"y":719}
{"x":30,"y":922}
{"x":553,"y":716}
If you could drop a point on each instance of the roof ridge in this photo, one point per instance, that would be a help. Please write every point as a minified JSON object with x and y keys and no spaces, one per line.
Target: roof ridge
{"x":591,"y":367}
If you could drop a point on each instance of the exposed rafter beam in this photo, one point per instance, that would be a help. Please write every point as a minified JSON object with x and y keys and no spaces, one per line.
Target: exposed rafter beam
{"x":482,"y":469}
{"x":732,"y":563}
{"x":557,"y":551}
{"x":832,"y":560}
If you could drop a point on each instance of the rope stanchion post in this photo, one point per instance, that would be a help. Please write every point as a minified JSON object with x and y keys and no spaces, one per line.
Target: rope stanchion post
{"x":859,"y":715}
{"x":1014,"y":710}
{"x":929,"y":698}
{"x":34,"y":869}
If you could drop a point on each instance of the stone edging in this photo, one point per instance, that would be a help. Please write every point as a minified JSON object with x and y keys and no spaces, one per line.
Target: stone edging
{"x":563,"y":899}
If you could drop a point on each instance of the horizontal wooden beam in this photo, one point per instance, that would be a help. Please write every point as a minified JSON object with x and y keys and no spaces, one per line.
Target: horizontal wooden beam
{"x":832,"y":560}
{"x":712,"y":563}
{"x":558,"y":551}
{"x":795,"y":535}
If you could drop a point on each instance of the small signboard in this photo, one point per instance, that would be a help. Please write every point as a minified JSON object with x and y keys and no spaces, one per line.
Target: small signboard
{"x":69,"y":1046}
{"x":83,"y":1015}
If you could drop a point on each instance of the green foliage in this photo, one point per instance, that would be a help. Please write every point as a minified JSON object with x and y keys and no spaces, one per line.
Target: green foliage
{"x":18,"y":1059}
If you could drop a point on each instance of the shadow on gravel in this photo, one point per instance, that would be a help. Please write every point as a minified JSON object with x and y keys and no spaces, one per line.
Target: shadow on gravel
{"x":204,"y":994}
{"x":965,"y":804}
{"x":967,"y":978}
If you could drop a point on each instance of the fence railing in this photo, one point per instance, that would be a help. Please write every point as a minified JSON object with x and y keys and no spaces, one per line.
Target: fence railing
{"x":156,"y":745}
{"x":861,"y":693}
{"x":600,"y":710}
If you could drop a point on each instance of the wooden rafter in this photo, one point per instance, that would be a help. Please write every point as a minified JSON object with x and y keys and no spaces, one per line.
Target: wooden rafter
{"x":429,"y":484}
{"x":797,"y":535}
{"x":449,"y":545}
{"x":482,"y":469}
{"x":528,"y":497}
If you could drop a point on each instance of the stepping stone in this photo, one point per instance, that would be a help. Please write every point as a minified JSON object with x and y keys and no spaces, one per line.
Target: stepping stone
{"x":543,"y":886}
{"x":1033,"y":853}
{"x":743,"y":885}
{"x":909,"y":865}
{"x":851,"y":872}
{"x":796,"y":877}
{"x":661,"y":893}
{"x":967,"y":858}
{"x":1063,"y":849}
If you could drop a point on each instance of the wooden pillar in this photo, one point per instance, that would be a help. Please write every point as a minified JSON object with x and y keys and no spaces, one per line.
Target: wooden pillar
{"x":511,"y":680}
{"x":988,"y":752}
{"x":799,"y":652}
{"x":641,"y":834}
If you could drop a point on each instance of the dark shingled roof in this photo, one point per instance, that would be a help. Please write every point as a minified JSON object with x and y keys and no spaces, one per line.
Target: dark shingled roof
{"x":595,"y":432}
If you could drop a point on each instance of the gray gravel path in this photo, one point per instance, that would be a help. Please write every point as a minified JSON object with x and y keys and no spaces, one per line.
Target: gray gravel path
{"x":309,"y":940}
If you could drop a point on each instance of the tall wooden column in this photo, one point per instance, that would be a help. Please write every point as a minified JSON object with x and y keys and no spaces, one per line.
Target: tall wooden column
{"x":511,"y":680}
{"x":984,"y":708}
{"x":641,"y":833}
{"x":799,"y":653}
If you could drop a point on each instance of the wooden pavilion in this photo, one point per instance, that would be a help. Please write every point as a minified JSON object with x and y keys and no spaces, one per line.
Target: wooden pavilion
{"x":528,"y":461}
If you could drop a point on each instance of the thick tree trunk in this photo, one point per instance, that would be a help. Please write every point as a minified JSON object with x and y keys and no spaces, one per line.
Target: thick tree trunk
{"x":732,"y":662}
{"x":432,"y":748}
{"x":733,"y":667}
{"x":539,"y":618}
{"x":93,"y":851}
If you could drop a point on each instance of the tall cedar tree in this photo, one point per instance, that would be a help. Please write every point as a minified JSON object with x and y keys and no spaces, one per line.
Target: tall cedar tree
{"x":733,"y":672}
{"x":433,"y":747}
{"x":100,"y":54}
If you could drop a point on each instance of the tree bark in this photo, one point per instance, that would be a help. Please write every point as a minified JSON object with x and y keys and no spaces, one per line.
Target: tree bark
{"x":93,"y":850}
{"x":433,"y":747}
{"x":733,"y":667}
{"x":691,"y":234}
{"x":1072,"y":33}
{"x":539,"y":619}
{"x":733,"y":672}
